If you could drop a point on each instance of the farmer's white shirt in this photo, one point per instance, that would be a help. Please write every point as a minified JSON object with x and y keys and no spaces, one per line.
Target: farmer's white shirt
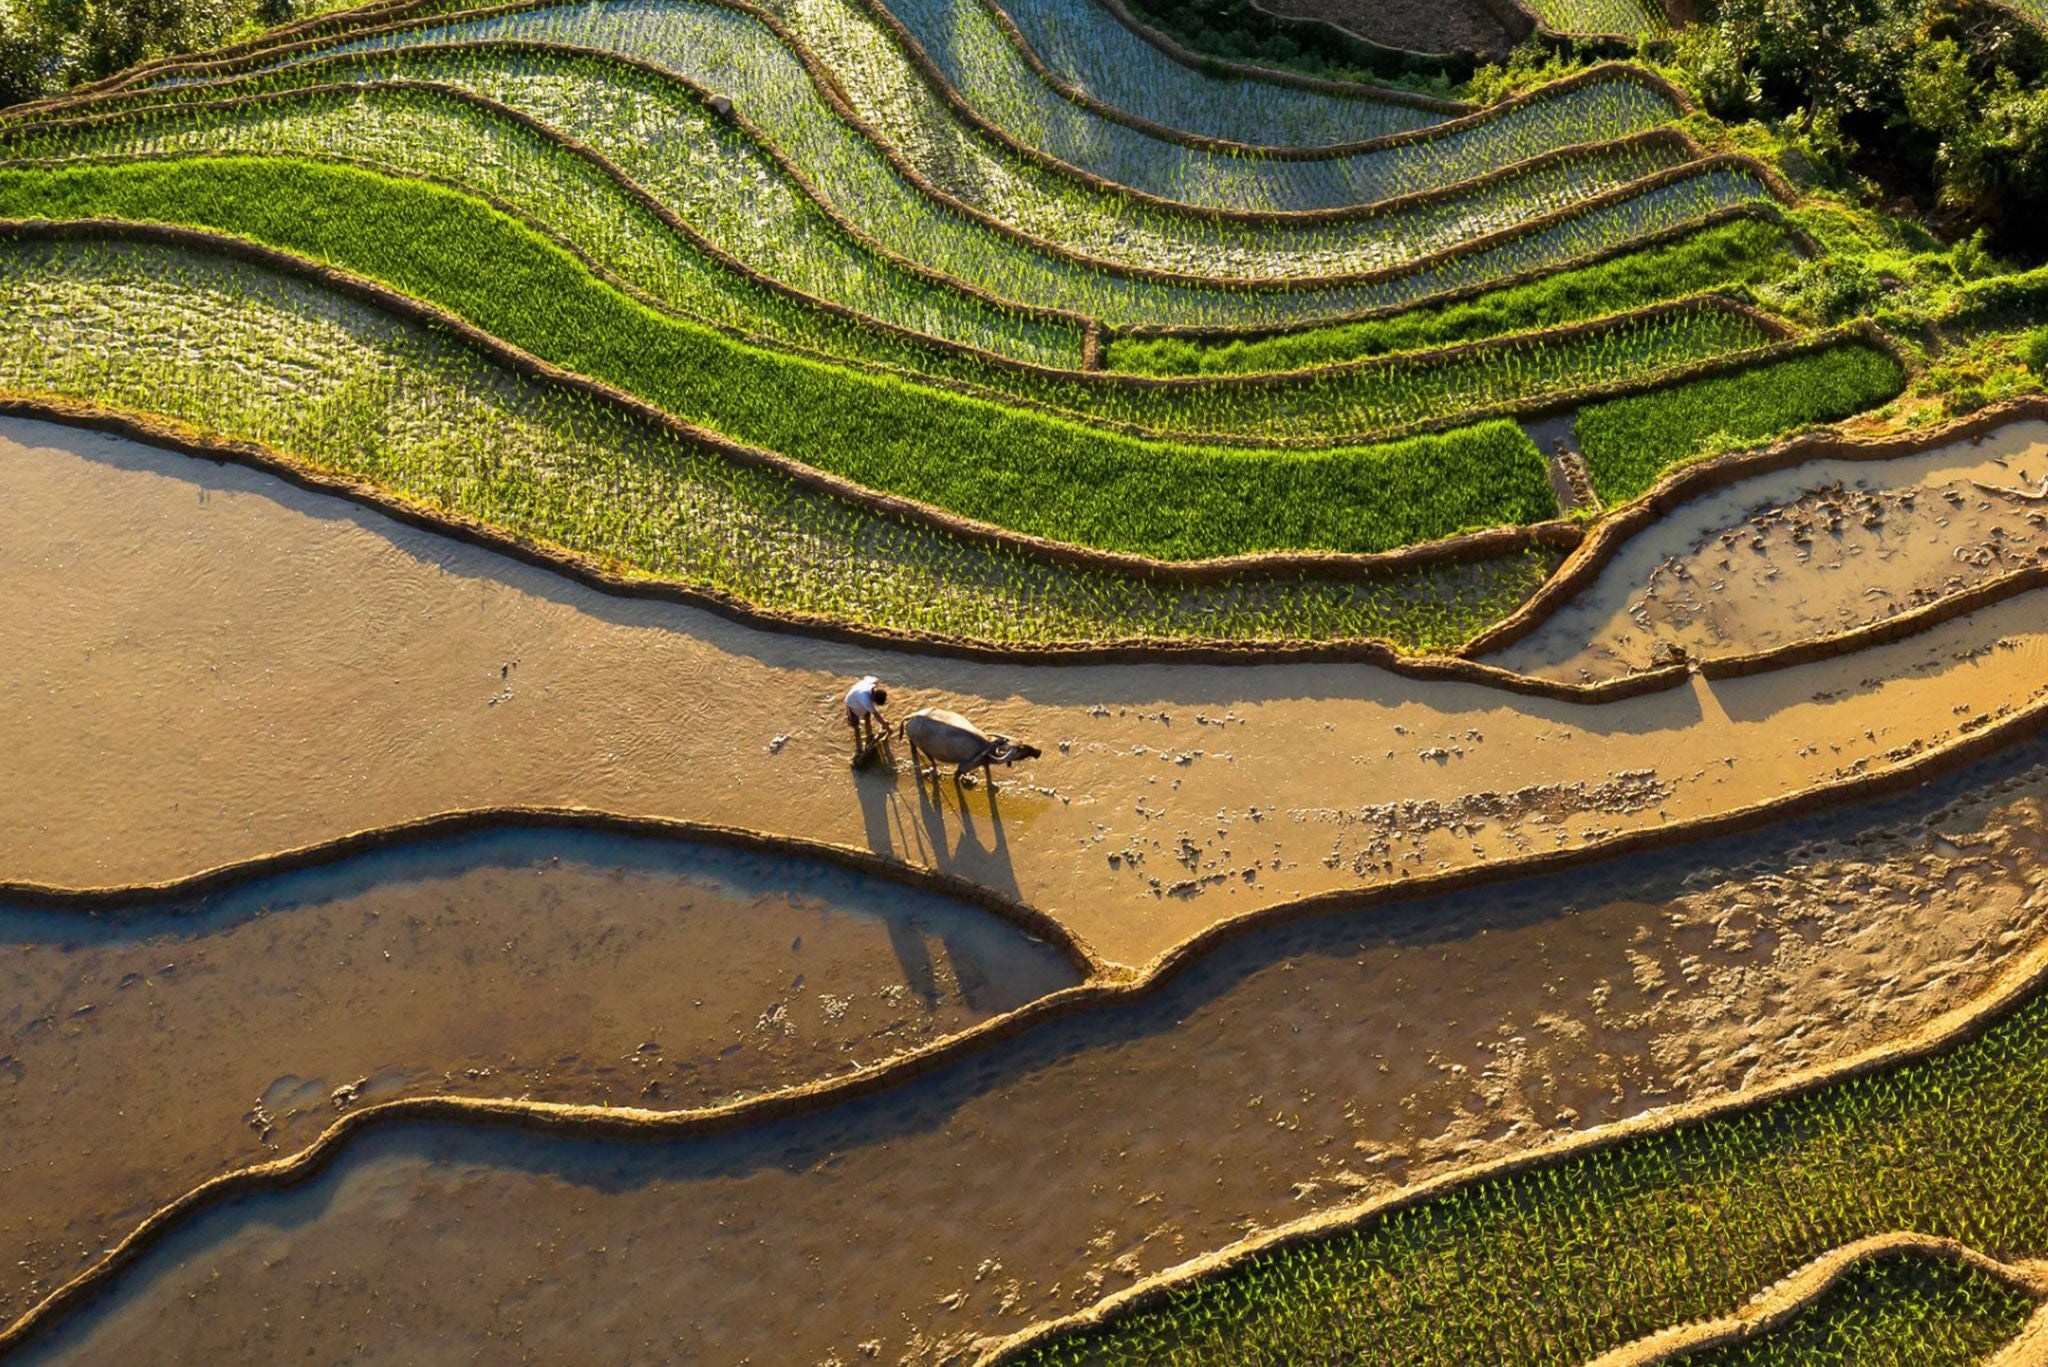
{"x":860,"y":699}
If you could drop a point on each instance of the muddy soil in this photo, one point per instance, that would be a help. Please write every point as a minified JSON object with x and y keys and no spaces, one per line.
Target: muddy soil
{"x":1416,"y":25}
{"x":201,"y":664}
{"x":1284,"y":1074}
{"x":1803,"y":553}
{"x":143,"y":1053}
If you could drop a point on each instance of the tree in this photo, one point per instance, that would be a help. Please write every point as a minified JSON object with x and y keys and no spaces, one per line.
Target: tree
{"x":28,"y":60}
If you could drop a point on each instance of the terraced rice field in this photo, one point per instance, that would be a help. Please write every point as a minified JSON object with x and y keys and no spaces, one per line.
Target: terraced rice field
{"x":1626,"y":18}
{"x":1509,"y":829}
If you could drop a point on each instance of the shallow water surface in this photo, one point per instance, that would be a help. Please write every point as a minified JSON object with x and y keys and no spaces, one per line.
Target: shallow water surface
{"x":1820,"y":548}
{"x":144,"y":1052}
{"x":1289,"y":1072}
{"x":205,"y":664}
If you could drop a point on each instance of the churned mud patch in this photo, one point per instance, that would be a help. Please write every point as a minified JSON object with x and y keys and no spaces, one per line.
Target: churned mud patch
{"x":1806,"y":552}
{"x":1414,"y":25}
{"x":1291,"y":1071}
{"x":142,"y":1053}
{"x":205,"y":664}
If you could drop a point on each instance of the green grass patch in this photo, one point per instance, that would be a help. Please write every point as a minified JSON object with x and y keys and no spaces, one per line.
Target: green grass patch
{"x":1745,"y":252}
{"x":1893,"y":1312}
{"x":1562,"y":1262}
{"x":1629,"y":443}
{"x":1015,"y":468}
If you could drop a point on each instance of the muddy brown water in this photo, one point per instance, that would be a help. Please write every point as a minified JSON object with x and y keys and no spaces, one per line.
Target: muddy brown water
{"x":1282,"y":1074}
{"x":201,"y":664}
{"x":1819,"y":548}
{"x":144,"y":1052}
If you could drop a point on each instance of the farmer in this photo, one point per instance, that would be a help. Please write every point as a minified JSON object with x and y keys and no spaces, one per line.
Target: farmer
{"x":864,"y":714}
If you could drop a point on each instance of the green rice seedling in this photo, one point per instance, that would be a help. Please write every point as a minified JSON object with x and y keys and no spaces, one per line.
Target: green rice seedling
{"x":426,"y":132}
{"x":1746,"y":252}
{"x":1092,"y":50}
{"x":438,"y":135}
{"x":1015,"y":468}
{"x":1629,"y":443}
{"x":963,"y":38}
{"x":730,"y":51}
{"x":871,"y":67}
{"x":1378,"y":398}
{"x":1053,"y":282}
{"x":1557,"y":1264}
{"x":1400,"y":392}
{"x":1895,"y":1312}
{"x":363,"y":394}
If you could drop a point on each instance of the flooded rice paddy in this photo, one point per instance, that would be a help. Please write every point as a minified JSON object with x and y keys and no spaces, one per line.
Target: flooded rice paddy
{"x":1291,"y":1071}
{"x":204,"y":664}
{"x":1816,"y":549}
{"x":143,"y":1052}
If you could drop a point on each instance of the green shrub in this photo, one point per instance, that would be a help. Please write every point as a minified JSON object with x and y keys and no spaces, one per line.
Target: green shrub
{"x":2035,"y":353}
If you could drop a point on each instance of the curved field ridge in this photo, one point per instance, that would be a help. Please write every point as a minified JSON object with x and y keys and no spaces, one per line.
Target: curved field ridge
{"x":774,"y":678}
{"x":1185,"y":99}
{"x":2019,"y":988}
{"x":883,"y":164}
{"x":971,"y":600}
{"x":601,"y":574}
{"x":1081,"y":48}
{"x":1070,"y":944}
{"x":865,"y":177}
{"x":689,"y":173}
{"x":2016,"y":986}
{"x":1707,"y":477}
{"x":787,"y":415}
{"x":403,"y":116}
{"x":1252,"y":71}
{"x":916,"y":228}
{"x":467,"y":435}
{"x":970,"y":56}
{"x":1332,"y":404}
{"x":1180,"y":97}
{"x":1779,"y":1304}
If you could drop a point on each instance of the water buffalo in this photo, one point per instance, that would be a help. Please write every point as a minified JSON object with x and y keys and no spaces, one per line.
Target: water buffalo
{"x":948,"y":737}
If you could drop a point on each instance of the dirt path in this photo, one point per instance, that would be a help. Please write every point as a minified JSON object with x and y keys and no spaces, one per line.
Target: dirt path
{"x":143,"y":1053}
{"x":1815,"y":549}
{"x":1286,"y":1073}
{"x":201,"y":664}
